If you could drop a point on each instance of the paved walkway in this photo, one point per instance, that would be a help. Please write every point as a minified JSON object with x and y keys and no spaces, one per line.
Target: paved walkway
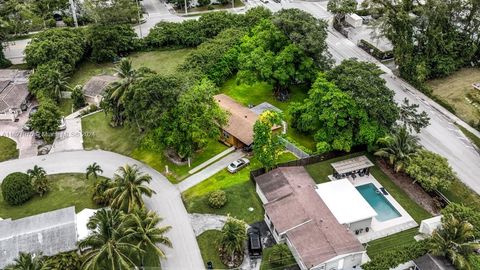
{"x":185,"y":254}
{"x":209,"y":171}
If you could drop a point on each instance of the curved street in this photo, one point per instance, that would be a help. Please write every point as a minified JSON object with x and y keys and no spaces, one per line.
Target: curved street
{"x":185,"y":254}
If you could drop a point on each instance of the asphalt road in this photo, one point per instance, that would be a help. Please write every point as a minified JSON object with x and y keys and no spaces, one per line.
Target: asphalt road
{"x":185,"y":254}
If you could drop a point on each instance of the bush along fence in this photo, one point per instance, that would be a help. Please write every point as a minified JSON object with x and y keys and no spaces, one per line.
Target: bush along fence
{"x":308,"y":160}
{"x":374,"y":51}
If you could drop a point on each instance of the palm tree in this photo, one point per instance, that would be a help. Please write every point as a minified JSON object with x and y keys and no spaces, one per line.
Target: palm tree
{"x":59,"y":84}
{"x":93,"y":169}
{"x":108,"y":247}
{"x":398,"y":148}
{"x":128,"y":188}
{"x":27,"y":261}
{"x":454,"y":241}
{"x":99,"y":195}
{"x":145,"y":232}
{"x":116,"y":91}
{"x":233,"y":237}
{"x":39,"y":177}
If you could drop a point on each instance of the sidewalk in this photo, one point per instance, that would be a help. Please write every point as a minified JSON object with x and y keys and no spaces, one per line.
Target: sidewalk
{"x":209,"y":171}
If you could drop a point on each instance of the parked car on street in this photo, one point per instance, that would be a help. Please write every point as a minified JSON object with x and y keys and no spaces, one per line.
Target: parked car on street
{"x":254,"y":243}
{"x":238,"y":165}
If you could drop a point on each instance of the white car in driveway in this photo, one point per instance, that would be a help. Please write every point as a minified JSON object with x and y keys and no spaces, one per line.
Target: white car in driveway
{"x":238,"y":165}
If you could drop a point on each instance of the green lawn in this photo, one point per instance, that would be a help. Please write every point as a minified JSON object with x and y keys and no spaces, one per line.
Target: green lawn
{"x":458,"y":192}
{"x":474,"y":139}
{"x":163,"y":62}
{"x":320,"y":171}
{"x":71,"y":189}
{"x":378,"y":246}
{"x":240,"y":191}
{"x":66,"y":106}
{"x":207,"y":242}
{"x":267,"y":266}
{"x":126,"y":141}
{"x":262,"y":92}
{"x":9,"y":149}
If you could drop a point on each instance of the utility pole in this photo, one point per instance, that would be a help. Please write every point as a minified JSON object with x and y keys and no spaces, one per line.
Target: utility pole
{"x":74,"y":12}
{"x":139,"y":23}
{"x":186,"y":11}
{"x":233,"y":4}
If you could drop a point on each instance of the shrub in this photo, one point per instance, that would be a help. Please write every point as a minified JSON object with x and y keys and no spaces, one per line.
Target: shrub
{"x":392,"y":258}
{"x":280,"y":255}
{"x":217,"y":199}
{"x":78,"y":98}
{"x":17,"y":188}
{"x":67,"y":260}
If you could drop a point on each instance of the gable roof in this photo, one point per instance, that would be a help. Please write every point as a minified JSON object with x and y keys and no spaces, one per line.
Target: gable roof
{"x":296,"y":210}
{"x":240,"y":121}
{"x":13,"y":95}
{"x":97,"y":84}
{"x":50,"y":233}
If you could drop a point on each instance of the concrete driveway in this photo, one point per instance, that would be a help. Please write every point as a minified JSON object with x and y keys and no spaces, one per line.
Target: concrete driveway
{"x":185,"y":254}
{"x":26,"y":143}
{"x":14,"y":50}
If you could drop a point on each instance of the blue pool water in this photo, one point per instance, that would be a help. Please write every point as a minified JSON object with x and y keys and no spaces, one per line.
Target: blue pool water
{"x":375,"y":198}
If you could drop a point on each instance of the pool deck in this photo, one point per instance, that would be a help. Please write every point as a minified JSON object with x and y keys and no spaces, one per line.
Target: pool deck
{"x":380,"y":229}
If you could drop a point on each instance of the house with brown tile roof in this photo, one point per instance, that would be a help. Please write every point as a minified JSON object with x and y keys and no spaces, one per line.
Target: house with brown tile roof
{"x":239,"y":130}
{"x":297,"y":216}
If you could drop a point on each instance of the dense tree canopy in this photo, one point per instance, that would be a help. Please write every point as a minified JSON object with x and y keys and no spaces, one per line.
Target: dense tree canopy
{"x":111,"y":12}
{"x":46,"y":120}
{"x":433,"y":39}
{"x":268,"y":55}
{"x":362,"y":81}
{"x":109,"y":41}
{"x":48,"y":81}
{"x":340,"y":8}
{"x":430,"y":170}
{"x":333,"y":117}
{"x":194,"y":120}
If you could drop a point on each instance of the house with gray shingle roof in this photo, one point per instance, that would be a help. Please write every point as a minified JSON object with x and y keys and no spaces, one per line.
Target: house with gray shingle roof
{"x":13,"y":93}
{"x":95,"y":88}
{"x":48,"y":233}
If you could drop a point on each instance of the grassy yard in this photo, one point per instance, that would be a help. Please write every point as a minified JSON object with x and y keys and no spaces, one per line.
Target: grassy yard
{"x":320,"y":171}
{"x":266,"y":264}
{"x":9,"y":149}
{"x":262,"y":92}
{"x":458,"y":192}
{"x":126,"y":141}
{"x":391,"y":242}
{"x":71,"y":189}
{"x":66,"y":106}
{"x":207,"y":242}
{"x":240,"y":191}
{"x":163,"y":62}
{"x":474,"y":139}
{"x":454,"y":89}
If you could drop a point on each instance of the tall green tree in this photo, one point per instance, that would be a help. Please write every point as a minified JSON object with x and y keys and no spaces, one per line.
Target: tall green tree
{"x":267,"y":54}
{"x":145,"y":231}
{"x":455,"y":240}
{"x":411,"y":118}
{"x":38,"y":176}
{"x":341,"y":8}
{"x":115,"y":95}
{"x":77,"y":97}
{"x":99,"y":196}
{"x":46,"y":120}
{"x":234,"y":235}
{"x":112,"y":12}
{"x":267,"y":145}
{"x":398,"y":148}
{"x":108,"y":246}
{"x":431,"y":170}
{"x":93,"y":170}
{"x":107,"y":42}
{"x":128,"y":187}
{"x":27,"y":261}
{"x":362,"y":81}
{"x":192,"y":123}
{"x":333,"y":118}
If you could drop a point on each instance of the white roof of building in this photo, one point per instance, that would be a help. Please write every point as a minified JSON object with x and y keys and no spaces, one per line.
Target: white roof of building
{"x":82,"y":219}
{"x":427,"y":226}
{"x":345,"y":202}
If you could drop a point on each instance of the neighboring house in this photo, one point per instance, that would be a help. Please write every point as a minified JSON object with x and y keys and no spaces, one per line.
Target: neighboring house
{"x":239,"y":130}
{"x":95,"y":88}
{"x":49,"y":233}
{"x":297,"y":215}
{"x":13,"y":93}
{"x":430,"y":262}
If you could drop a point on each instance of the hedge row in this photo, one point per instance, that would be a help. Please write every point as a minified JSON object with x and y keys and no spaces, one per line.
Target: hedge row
{"x":374,"y":51}
{"x":393,"y":258}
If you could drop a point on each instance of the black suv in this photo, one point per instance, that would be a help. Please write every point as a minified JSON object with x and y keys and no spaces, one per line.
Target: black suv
{"x":254,"y":243}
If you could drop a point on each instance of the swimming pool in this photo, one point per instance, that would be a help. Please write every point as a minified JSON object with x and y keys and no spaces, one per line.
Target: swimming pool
{"x":375,"y":198}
